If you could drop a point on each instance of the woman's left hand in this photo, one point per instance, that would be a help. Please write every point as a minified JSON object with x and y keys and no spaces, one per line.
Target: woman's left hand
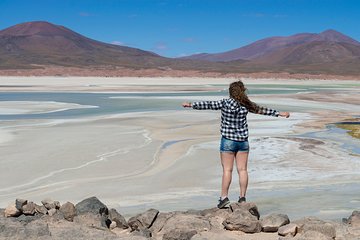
{"x":284,"y":114}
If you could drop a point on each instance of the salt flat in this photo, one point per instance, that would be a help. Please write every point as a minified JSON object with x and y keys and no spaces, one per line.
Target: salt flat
{"x":168,"y":159}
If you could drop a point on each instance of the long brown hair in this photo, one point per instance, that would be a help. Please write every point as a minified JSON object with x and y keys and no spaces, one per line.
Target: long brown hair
{"x":237,"y":91}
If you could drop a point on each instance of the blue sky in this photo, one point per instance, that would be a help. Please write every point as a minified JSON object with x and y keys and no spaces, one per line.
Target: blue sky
{"x":175,"y":28}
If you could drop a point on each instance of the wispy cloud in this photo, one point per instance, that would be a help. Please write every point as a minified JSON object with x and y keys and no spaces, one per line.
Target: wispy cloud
{"x":118,"y":43}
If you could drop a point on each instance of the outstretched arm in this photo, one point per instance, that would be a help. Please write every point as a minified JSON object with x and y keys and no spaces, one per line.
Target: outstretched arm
{"x":271,"y":112}
{"x":213,"y":105}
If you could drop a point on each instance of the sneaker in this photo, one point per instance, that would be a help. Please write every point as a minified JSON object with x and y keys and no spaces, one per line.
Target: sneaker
{"x":242,"y":199}
{"x":223,"y":203}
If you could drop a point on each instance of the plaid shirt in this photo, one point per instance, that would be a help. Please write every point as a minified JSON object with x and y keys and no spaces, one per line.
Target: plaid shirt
{"x":233,"y":117}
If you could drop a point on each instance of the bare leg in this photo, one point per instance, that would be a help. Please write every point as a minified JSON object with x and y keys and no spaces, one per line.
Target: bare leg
{"x":241,"y":165}
{"x":227,"y":162}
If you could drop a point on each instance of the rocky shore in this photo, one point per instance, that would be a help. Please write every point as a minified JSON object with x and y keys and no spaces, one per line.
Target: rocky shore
{"x":92,"y":219}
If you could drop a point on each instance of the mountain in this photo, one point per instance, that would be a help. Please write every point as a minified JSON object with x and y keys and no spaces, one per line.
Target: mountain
{"x":272,"y":44}
{"x":31,"y":43}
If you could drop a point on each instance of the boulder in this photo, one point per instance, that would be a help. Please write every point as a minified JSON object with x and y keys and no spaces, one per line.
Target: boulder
{"x":52,"y":211}
{"x":242,"y":220}
{"x":143,"y":220}
{"x":50,"y":204}
{"x":249,"y":206}
{"x":20,"y":203}
{"x":316,"y":225}
{"x":118,"y":218}
{"x":40,"y":209}
{"x":312,"y":235}
{"x":160,"y":221}
{"x":272,"y":222}
{"x":68,"y":210}
{"x":12,"y":211}
{"x":185,"y":222}
{"x":92,"y":205}
{"x":179,"y":234}
{"x":288,"y":230}
{"x":89,"y":220}
{"x":354,"y":219}
{"x":29,"y":208}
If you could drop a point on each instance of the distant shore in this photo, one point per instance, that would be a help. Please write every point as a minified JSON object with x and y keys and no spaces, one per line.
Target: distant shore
{"x":56,"y":71}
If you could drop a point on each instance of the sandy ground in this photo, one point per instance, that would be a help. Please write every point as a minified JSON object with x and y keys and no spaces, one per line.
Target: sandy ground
{"x":169,"y":159}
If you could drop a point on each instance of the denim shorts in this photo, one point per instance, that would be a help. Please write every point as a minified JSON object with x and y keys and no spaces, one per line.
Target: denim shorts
{"x":227,"y":145}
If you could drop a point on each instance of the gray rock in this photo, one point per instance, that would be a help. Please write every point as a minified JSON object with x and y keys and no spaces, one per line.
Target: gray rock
{"x":89,"y":220}
{"x":27,"y":218}
{"x":50,"y":204}
{"x":354,"y":219}
{"x":312,"y":235}
{"x":40,"y":209}
{"x":160,"y":221}
{"x":105,"y":221}
{"x":12,"y":211}
{"x":52,"y":211}
{"x":143,"y":220}
{"x":68,"y":210}
{"x":316,"y":225}
{"x":118,"y":218}
{"x":92,"y":205}
{"x":185,"y":222}
{"x":272,"y":222}
{"x":37,"y":229}
{"x":288,"y":230}
{"x":29,"y":208}
{"x":179,"y":234}
{"x":19,"y":203}
{"x":242,"y":220}
{"x":249,"y":206}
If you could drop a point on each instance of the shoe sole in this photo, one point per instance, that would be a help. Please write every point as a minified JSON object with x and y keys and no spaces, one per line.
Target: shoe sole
{"x":223,"y":205}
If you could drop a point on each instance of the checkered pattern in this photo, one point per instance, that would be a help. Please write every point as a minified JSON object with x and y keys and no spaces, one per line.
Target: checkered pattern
{"x":233,"y":117}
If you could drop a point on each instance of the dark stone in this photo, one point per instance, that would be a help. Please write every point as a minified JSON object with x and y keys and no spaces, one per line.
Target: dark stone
{"x":92,"y":205}
{"x":105,"y":221}
{"x":19,"y":203}
{"x":249,"y":206}
{"x":179,"y":234}
{"x":27,"y":218}
{"x":118,"y":218}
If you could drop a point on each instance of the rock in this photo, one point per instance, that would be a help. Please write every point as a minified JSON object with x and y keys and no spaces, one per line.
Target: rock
{"x":249,"y":206}
{"x":143,"y":220}
{"x":288,"y":230}
{"x":12,"y":211}
{"x":37,"y":229}
{"x":160,"y":221}
{"x":105,"y":221}
{"x":27,"y":218}
{"x":313,"y":235}
{"x":20,"y":203}
{"x":40,"y":209}
{"x":185,"y":222}
{"x":89,"y":220}
{"x":50,"y":204}
{"x":272,"y":222}
{"x":317,"y":225}
{"x":113,"y":225}
{"x":242,"y":220}
{"x":118,"y":218}
{"x":92,"y":205}
{"x":52,"y":211}
{"x":29,"y":208}
{"x":68,"y":210}
{"x":179,"y":234}
{"x":354,"y":219}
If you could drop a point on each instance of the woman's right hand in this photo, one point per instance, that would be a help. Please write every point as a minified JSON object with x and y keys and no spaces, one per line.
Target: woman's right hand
{"x":186,"y":104}
{"x":284,"y":114}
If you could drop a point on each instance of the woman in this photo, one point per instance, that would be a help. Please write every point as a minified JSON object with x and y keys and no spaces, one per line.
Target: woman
{"x":234,"y":130}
